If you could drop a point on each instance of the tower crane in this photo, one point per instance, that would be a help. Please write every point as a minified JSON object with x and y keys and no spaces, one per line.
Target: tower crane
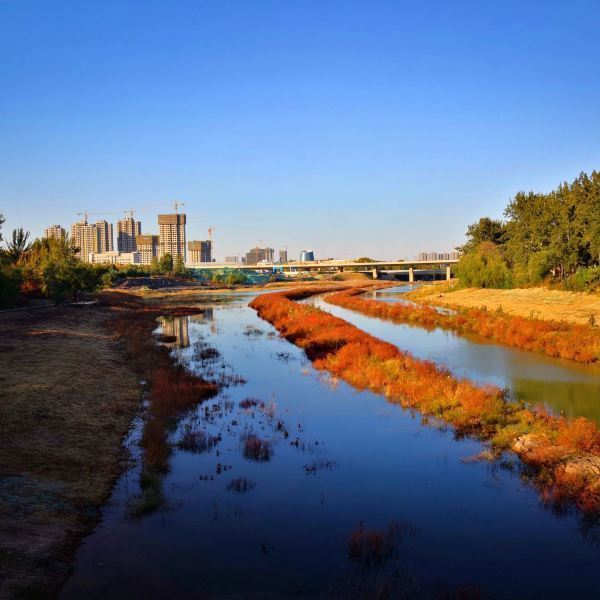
{"x":210,"y":233}
{"x":176,"y":205}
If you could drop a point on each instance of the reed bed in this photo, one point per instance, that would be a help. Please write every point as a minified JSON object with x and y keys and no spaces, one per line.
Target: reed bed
{"x":563,"y":454}
{"x":580,"y":343}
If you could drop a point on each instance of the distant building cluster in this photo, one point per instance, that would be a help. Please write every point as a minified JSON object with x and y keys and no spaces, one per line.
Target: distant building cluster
{"x":425,"y":256}
{"x":95,"y":241}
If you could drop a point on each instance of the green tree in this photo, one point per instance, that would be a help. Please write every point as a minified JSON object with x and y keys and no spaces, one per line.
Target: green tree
{"x":179,"y":266}
{"x":484,"y":267}
{"x":165,"y":264}
{"x":10,"y":284}
{"x":1,"y":223}
{"x":154,"y":266}
{"x":18,"y":246}
{"x":485,"y":230}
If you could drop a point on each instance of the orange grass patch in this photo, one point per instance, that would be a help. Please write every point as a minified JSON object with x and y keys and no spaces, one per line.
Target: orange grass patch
{"x":546,"y":443}
{"x":554,"y":338}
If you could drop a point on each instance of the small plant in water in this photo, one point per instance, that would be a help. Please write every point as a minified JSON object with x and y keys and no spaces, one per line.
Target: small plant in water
{"x":256,"y":448}
{"x":241,"y":485}
{"x":371,"y":547}
{"x":197,"y":440}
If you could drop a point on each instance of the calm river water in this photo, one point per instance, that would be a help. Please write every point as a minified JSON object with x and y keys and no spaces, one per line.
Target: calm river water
{"x":338,"y":462}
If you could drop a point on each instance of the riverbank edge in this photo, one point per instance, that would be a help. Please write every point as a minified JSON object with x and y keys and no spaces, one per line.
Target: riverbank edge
{"x":580,"y":343}
{"x":561,"y":456}
{"x":83,"y":487}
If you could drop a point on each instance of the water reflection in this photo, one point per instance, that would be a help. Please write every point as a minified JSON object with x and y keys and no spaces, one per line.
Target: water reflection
{"x":356,"y":498}
{"x":178,"y":327}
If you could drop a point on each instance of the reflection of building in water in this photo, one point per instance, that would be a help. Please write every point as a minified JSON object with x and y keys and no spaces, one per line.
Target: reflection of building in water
{"x":179,"y":326}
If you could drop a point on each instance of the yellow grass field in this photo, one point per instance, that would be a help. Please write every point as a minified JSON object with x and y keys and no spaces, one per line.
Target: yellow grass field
{"x":542,"y":303}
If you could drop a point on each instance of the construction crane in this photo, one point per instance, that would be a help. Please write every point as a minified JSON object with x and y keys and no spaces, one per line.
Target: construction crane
{"x":210,"y":233}
{"x":176,"y":205}
{"x":86,"y":214}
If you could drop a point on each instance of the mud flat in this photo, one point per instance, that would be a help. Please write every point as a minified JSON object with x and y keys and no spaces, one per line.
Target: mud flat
{"x":67,"y":397}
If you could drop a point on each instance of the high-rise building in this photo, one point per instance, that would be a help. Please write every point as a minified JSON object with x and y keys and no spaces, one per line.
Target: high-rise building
{"x":307,"y":256}
{"x":104,"y":237}
{"x":83,"y":235}
{"x":127,"y":230}
{"x":260,"y":255}
{"x":232,"y":259}
{"x":54,"y":232}
{"x":283,"y":257}
{"x":171,"y":231}
{"x":199,"y":251}
{"x":147,"y":247}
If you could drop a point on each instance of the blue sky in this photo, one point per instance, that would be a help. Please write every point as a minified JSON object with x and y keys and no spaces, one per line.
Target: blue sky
{"x":352,"y":128}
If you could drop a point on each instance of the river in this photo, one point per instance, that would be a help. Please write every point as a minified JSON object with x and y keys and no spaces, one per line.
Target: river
{"x":340,"y":463}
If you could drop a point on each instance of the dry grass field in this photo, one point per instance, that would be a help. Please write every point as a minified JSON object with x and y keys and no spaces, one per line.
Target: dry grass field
{"x":67,"y":398}
{"x":542,"y":303}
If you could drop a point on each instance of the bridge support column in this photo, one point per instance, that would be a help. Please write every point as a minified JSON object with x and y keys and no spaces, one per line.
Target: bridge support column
{"x":411,"y":275}
{"x":375,"y":273}
{"x":448,"y":275}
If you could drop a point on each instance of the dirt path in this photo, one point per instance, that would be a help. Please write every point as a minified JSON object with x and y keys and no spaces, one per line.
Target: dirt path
{"x":67,"y":398}
{"x":542,"y":303}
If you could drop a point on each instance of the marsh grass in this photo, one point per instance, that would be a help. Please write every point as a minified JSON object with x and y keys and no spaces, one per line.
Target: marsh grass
{"x":578,"y":342}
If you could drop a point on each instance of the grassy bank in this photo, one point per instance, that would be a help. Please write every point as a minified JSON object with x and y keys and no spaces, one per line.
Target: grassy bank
{"x":554,"y":338}
{"x":543,"y":303}
{"x":562,"y":456}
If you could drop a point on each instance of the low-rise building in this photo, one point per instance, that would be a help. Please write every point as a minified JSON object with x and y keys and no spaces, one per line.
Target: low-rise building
{"x":115,"y":257}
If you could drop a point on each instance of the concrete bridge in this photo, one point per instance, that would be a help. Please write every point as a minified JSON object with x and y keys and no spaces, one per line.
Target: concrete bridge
{"x":377,"y":269}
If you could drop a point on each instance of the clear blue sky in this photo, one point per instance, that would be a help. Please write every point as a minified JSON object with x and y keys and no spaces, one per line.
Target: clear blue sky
{"x":352,"y":128}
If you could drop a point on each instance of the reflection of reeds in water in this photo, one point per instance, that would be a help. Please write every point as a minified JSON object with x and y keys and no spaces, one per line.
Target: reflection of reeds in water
{"x":563,"y":454}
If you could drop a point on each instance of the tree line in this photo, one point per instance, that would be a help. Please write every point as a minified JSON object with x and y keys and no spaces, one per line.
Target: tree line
{"x":553,"y":237}
{"x":51,"y":268}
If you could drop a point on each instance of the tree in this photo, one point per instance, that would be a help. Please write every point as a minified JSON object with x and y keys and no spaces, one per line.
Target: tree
{"x":485,"y":267}
{"x":179,"y":266}
{"x":485,"y":230}
{"x":18,"y":246}
{"x":364,"y":259}
{"x":154,"y":266}
{"x":165,"y":263}
{"x":10,"y":284}
{"x":1,"y":223}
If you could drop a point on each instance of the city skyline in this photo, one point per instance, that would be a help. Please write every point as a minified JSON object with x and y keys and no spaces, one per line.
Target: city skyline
{"x":270,"y":123}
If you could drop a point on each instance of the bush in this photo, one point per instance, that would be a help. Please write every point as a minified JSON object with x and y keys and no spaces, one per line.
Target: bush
{"x":585,"y":279}
{"x":10,"y":284}
{"x":64,"y":280}
{"x":485,"y":267}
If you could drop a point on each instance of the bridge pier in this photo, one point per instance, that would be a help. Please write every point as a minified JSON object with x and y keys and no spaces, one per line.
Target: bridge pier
{"x":448,"y":274}
{"x":411,"y":275}
{"x":375,"y":273}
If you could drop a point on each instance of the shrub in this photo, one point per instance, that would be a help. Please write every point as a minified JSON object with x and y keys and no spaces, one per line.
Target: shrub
{"x":11,"y":279}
